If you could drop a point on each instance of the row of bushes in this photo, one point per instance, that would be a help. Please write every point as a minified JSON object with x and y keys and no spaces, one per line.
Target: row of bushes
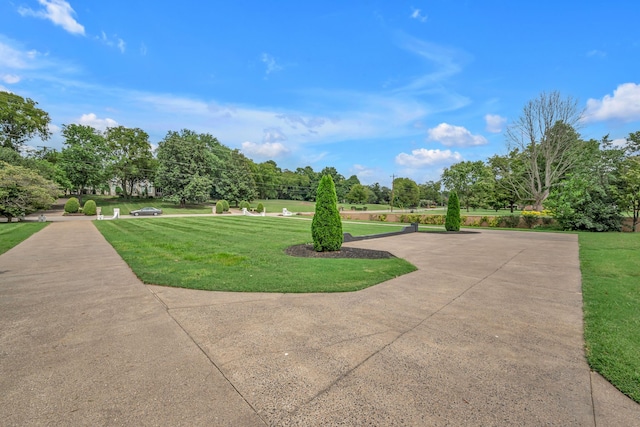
{"x":73,"y":206}
{"x":530,"y":219}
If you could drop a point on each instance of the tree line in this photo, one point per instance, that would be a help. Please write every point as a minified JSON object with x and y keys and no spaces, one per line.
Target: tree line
{"x":584,"y":184}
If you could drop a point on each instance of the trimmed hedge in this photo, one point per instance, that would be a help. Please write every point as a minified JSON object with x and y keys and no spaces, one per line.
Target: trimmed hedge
{"x":72,"y":205}
{"x":219,"y":207}
{"x":90,"y":208}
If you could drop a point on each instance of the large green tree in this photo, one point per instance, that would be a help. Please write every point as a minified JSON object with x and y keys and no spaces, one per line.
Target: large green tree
{"x":326,"y":226}
{"x":185,"y":166}
{"x":508,"y":180}
{"x":235,"y":182}
{"x":358,"y":194}
{"x":21,"y":120}
{"x":83,"y":157}
{"x":24,"y":191}
{"x":130,"y":156}
{"x":406,"y":193}
{"x":267,"y":178}
{"x":471,"y":181}
{"x":545,"y":135}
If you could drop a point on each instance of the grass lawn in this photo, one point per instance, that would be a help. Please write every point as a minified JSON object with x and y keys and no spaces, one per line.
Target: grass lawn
{"x":610,"y":265}
{"x":238,"y":253}
{"x":13,"y":233}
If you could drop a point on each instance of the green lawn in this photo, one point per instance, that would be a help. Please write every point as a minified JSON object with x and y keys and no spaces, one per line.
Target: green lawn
{"x":610,"y":265}
{"x":239,"y":253}
{"x":14,"y":233}
{"x":127,"y":205}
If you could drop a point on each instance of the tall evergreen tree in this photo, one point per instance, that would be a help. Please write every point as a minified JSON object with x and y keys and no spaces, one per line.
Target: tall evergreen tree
{"x":452,"y":221}
{"x":326,"y":227}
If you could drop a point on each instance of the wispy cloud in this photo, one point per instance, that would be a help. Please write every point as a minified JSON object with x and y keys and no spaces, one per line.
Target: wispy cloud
{"x":623,"y":106}
{"x":270,"y":63}
{"x":495,"y":123}
{"x":455,"y":136}
{"x":59,"y":12}
{"x":595,"y":53}
{"x":418,"y":15}
{"x":113,"y":41}
{"x":9,"y":78}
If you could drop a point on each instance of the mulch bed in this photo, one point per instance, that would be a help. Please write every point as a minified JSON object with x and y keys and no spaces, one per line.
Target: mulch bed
{"x":307,"y":251}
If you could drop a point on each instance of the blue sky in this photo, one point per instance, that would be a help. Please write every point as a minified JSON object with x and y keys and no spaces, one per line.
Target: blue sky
{"x":373,"y":88}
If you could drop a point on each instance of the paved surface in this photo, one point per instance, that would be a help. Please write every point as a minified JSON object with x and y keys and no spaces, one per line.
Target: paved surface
{"x":487,"y":332}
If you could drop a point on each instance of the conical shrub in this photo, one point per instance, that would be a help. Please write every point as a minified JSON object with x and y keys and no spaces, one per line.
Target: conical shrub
{"x":326,"y":227}
{"x":452,"y":222}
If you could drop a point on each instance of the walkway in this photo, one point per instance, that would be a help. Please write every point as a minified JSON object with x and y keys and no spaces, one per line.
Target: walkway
{"x":488,"y":331}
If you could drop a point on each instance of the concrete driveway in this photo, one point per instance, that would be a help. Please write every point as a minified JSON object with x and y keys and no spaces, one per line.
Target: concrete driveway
{"x":488,"y":331}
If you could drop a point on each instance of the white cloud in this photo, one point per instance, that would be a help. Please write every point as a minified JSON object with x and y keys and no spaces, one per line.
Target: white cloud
{"x":269,"y":150}
{"x":143,"y":49}
{"x":92,"y":120}
{"x":15,"y":59}
{"x":624,"y":105}
{"x":417,"y":14}
{"x":271,"y":64}
{"x":455,"y":136}
{"x":121,"y":45}
{"x":9,"y":78}
{"x":619,"y":142}
{"x":495,"y":123}
{"x":422,"y":157}
{"x":57,"y":11}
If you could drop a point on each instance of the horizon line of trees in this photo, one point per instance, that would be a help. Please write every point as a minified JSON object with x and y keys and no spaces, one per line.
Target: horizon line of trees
{"x":586,"y":184}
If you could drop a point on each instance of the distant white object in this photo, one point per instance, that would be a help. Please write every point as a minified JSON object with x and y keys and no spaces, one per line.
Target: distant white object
{"x":42,"y":218}
{"x":285,"y":212}
{"x":116,"y":213}
{"x":246,"y":212}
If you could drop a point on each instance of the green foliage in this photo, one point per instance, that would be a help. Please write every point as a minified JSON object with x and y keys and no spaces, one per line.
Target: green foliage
{"x":186,"y":162}
{"x":260,"y":208}
{"x":83,"y":158}
{"x":580,"y":203}
{"x":225,"y":206}
{"x":358,"y":194}
{"x":219,"y":207}
{"x":472,"y":182}
{"x":23,"y":191}
{"x":129,"y":156}
{"x":326,"y":227}
{"x":244,"y":204}
{"x":628,"y":186}
{"x":234,"y":181}
{"x":72,"y":205}
{"x":452,"y":221}
{"x":90,"y":208}
{"x":406,"y":193}
{"x":510,"y":221}
{"x":21,"y":120}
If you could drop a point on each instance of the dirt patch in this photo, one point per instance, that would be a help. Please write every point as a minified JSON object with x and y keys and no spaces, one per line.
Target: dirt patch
{"x":307,"y":251}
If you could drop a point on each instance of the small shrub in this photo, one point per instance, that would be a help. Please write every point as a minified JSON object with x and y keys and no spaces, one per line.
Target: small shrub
{"x":530,"y":218}
{"x":452,"y":222}
{"x":72,"y":205}
{"x":511,"y":221}
{"x":260,"y":208}
{"x":494,"y":221}
{"x":484,"y":220}
{"x":225,"y":206}
{"x":244,"y":204}
{"x":219,"y":207}
{"x":90,"y":208}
